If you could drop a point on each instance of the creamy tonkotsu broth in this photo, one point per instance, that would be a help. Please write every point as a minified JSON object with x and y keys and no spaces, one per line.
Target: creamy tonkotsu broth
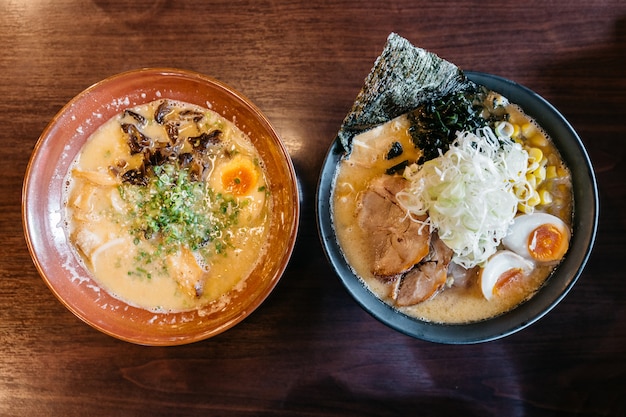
{"x":167,"y":205}
{"x":460,"y":299}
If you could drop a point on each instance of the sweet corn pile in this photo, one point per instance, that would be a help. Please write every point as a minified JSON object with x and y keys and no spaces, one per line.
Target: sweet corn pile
{"x":541,"y":169}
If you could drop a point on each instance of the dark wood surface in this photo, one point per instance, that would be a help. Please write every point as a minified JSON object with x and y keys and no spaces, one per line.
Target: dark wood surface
{"x":310,"y":349}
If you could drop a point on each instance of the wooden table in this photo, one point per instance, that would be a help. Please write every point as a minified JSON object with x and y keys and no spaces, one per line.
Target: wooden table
{"x":310,"y":349}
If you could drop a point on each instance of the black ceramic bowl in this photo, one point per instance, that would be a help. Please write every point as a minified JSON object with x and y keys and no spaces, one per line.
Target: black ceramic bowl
{"x":556,"y":286}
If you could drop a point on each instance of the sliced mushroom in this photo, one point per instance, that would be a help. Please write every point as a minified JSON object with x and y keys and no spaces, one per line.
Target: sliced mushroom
{"x":137,"y":141}
{"x":135,"y":177}
{"x":162,"y":111}
{"x":172,"y":131}
{"x":138,"y":117}
{"x":202,"y":142}
{"x":193,"y":115}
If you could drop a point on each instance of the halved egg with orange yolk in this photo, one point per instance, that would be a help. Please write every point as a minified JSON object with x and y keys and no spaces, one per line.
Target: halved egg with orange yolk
{"x":502,"y":268}
{"x":540,"y":237}
{"x":238,"y":176}
{"x":241,"y":177}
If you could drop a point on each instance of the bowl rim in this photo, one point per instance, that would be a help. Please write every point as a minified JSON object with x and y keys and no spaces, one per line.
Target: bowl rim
{"x":27,"y":212}
{"x":552,"y":291}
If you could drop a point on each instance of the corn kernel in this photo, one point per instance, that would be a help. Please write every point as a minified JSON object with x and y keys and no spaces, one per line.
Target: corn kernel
{"x":545,"y":197}
{"x":535,"y":154}
{"x":528,"y":129}
{"x":532,"y":180}
{"x":540,"y":173}
{"x":538,"y":140}
{"x":534,"y":199}
{"x":550,"y":171}
{"x":521,"y":192}
{"x":525,"y":208}
{"x":516,"y":130}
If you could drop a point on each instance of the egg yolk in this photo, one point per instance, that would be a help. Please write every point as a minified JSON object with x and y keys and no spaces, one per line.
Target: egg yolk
{"x":507,"y":277}
{"x":239,"y":177}
{"x":547,"y":243}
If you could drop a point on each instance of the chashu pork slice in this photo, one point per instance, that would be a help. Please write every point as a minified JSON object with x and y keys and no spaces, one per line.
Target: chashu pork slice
{"x":428,"y":277}
{"x":396,"y":242}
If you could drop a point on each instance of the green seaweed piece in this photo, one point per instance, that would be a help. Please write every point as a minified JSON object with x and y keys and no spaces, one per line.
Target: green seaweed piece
{"x":403,"y":77}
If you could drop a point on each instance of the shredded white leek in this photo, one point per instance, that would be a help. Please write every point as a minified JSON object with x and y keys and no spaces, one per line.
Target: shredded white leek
{"x":468,"y":193}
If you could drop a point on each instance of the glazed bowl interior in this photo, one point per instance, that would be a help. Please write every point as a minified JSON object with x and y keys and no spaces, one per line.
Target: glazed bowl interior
{"x":43,"y":210}
{"x":557,"y":285}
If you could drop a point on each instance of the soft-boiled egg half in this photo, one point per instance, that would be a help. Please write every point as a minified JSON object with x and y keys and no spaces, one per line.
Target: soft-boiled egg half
{"x":540,"y":237}
{"x":532,"y":239}
{"x":241,"y":177}
{"x":237,"y":176}
{"x":504,"y":267}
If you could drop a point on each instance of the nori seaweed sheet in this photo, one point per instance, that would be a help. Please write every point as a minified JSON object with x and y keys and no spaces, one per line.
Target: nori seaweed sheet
{"x":403,"y":77}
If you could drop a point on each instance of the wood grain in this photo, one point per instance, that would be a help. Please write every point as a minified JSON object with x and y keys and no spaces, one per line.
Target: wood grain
{"x":310,"y":350}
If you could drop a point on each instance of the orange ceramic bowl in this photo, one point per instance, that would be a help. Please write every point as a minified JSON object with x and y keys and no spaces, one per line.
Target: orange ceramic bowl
{"x":43,"y":209}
